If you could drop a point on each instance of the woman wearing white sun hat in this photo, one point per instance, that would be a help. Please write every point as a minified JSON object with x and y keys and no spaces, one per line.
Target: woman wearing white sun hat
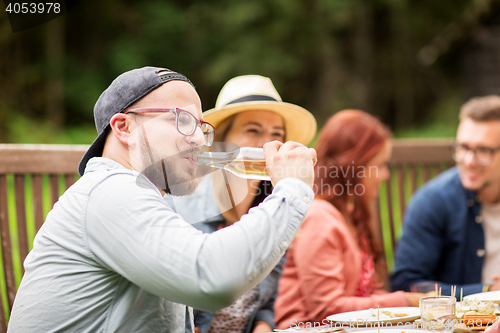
{"x":255,"y":92}
{"x":249,"y":112}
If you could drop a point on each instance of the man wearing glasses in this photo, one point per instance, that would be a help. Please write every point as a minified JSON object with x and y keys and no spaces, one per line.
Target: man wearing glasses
{"x":112,"y":256}
{"x":451,"y":233}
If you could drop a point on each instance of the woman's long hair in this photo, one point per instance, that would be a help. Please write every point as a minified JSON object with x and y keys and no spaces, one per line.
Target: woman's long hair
{"x":346,"y":143}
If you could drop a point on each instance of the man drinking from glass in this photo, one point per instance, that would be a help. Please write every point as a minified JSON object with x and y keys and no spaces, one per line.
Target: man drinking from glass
{"x":112,"y":256}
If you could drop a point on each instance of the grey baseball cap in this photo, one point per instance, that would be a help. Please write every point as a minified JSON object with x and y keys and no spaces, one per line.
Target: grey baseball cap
{"x":124,"y":91}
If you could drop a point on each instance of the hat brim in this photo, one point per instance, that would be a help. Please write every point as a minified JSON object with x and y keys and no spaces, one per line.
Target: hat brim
{"x":95,"y":150}
{"x":300,"y":124}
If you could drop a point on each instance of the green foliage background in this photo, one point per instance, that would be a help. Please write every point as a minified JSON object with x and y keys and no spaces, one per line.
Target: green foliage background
{"x":325,"y":55}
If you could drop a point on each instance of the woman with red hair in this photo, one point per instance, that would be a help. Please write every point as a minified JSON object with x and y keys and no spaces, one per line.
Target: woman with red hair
{"x":332,"y":262}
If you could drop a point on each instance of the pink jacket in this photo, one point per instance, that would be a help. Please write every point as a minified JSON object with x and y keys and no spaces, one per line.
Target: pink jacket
{"x":322,"y":272}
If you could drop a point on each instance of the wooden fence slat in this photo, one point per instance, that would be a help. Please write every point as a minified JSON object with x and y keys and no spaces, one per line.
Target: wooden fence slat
{"x":391,"y":212}
{"x":438,"y":168}
{"x":413,"y":175}
{"x":54,"y":188}
{"x":3,"y":216}
{"x":3,"y":319}
{"x":401,"y":186}
{"x":69,"y":180}
{"x":22,"y":231}
{"x":379,"y":238}
{"x":8,"y":264}
{"x":426,"y":172}
{"x":37,"y":201}
{"x":378,"y":220}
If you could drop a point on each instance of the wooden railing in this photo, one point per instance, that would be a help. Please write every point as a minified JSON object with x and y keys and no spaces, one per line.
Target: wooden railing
{"x":32,"y":177}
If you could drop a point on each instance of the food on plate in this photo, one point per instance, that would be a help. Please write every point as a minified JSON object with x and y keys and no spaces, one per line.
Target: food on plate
{"x":473,"y":306}
{"x":384,"y":314}
{"x":483,"y":319}
{"x":477,"y":314}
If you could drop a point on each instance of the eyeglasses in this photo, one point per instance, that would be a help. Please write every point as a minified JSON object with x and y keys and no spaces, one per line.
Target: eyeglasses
{"x":483,"y":155}
{"x":185,"y":122}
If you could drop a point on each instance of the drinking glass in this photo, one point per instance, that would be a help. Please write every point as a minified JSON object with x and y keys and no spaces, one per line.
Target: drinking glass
{"x":438,"y":313}
{"x":244,"y":162}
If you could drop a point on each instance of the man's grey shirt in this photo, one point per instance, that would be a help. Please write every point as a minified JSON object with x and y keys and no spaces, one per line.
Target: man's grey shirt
{"x":112,"y":256}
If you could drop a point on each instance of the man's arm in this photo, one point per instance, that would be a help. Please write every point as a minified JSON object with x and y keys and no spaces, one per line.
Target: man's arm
{"x":142,"y":239}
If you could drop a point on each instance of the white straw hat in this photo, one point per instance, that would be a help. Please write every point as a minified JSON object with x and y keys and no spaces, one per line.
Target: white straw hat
{"x":255,"y":92}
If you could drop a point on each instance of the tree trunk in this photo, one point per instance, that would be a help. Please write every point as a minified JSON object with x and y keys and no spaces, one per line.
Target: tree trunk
{"x":55,"y":72}
{"x":403,"y":85}
{"x":481,"y":66}
{"x":364,"y":56}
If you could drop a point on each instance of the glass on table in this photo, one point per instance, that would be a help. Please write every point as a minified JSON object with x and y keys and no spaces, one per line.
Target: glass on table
{"x":438,"y":313}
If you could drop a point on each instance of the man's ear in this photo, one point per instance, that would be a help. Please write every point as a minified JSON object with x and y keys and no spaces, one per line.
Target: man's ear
{"x":121,"y":127}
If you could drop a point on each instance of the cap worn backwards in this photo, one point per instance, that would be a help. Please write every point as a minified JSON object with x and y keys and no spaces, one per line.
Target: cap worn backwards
{"x":124,"y":91}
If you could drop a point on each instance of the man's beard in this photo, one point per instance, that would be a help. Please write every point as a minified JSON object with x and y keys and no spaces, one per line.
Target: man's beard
{"x":165,"y":174}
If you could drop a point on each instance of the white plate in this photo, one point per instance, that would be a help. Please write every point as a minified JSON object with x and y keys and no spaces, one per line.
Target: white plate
{"x":401,"y":329}
{"x":325,"y":329}
{"x":321,"y":329}
{"x":490,"y":296}
{"x":363,"y":317}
